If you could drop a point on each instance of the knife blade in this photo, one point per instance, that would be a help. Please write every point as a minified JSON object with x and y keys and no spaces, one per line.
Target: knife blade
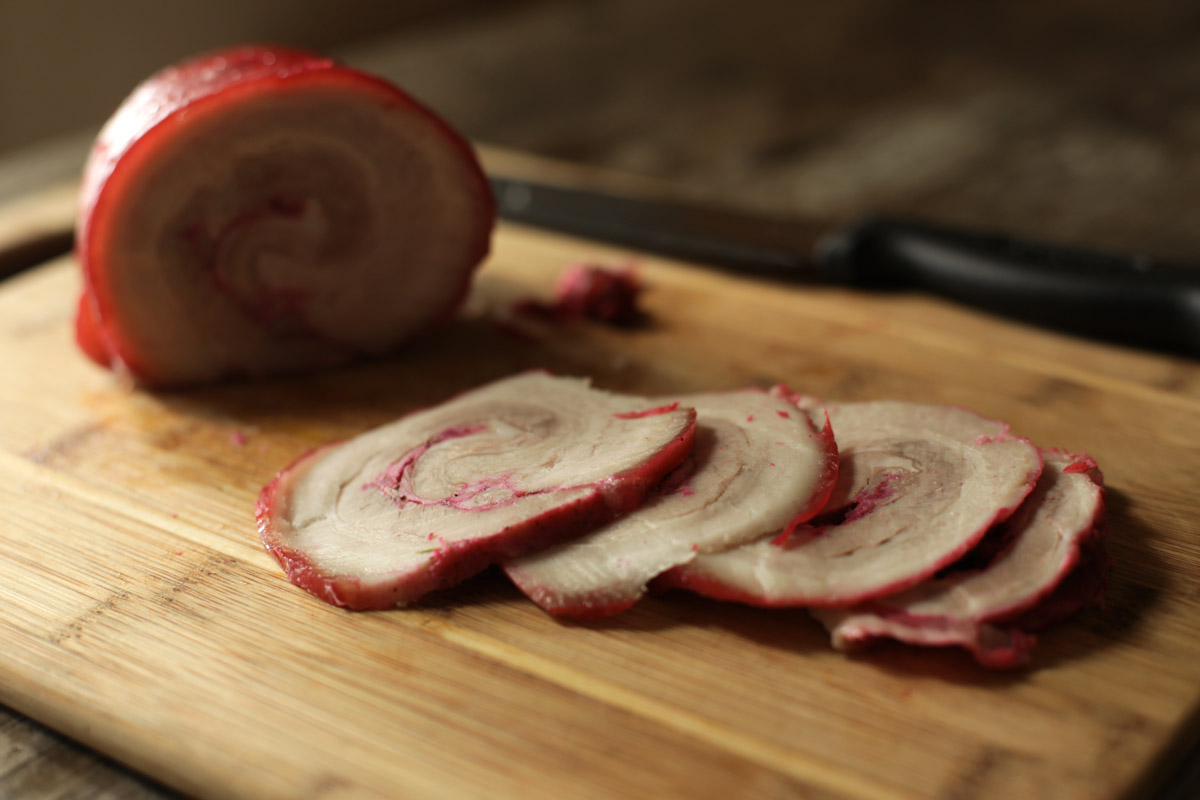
{"x":1129,"y":299}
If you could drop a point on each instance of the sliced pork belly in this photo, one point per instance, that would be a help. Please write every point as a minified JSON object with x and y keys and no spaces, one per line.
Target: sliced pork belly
{"x":918,"y":486}
{"x":428,"y":500}
{"x":758,"y":466}
{"x":978,"y":609}
{"x":263,"y":210}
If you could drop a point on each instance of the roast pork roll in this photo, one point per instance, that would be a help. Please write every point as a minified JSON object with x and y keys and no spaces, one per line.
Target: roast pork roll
{"x":494,"y":474}
{"x":264,"y":210}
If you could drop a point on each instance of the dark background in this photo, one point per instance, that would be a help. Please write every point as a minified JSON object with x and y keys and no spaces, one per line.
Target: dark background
{"x":1070,"y":120}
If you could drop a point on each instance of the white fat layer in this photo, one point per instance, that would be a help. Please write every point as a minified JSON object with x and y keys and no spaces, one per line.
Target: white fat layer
{"x":757,"y":462}
{"x":209,"y":274}
{"x":539,"y":442}
{"x":943,"y":476}
{"x":1046,"y":534}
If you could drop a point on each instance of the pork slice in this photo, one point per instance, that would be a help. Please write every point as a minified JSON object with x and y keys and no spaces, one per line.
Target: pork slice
{"x":982,"y":610}
{"x":759,"y":465}
{"x":264,"y":210}
{"x":426,"y":501}
{"x":918,"y":486}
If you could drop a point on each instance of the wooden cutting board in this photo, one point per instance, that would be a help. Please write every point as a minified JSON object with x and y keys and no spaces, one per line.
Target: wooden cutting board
{"x":139,"y":614}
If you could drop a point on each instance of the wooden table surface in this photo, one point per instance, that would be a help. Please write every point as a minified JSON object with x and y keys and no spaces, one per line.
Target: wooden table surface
{"x":1070,"y":121}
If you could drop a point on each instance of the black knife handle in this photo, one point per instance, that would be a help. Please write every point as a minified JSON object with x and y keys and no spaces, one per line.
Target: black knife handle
{"x":1127,"y":299}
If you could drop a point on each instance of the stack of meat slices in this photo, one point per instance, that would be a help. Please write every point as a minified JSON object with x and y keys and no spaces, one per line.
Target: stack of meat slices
{"x":943,"y":529}
{"x":932,"y":525}
{"x":758,"y":466}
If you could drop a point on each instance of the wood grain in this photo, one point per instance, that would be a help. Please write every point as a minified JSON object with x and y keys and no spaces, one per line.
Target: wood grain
{"x":1066,"y":121}
{"x":143,"y":618}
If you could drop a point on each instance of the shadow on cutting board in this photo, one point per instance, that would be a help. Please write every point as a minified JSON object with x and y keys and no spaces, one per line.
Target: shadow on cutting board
{"x":1133,"y":591}
{"x":485,"y":343}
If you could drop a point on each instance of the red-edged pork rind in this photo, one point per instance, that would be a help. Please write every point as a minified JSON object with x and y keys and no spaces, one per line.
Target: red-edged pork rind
{"x":758,"y":466}
{"x":263,"y":210}
{"x":985,"y":610}
{"x":426,"y":501}
{"x":918,"y":486}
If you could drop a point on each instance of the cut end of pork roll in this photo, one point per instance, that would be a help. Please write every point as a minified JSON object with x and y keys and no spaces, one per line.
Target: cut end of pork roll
{"x":263,"y":210}
{"x":424,"y":502}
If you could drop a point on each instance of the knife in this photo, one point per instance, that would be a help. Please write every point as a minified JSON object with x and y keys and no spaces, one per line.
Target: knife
{"x":1128,"y":299}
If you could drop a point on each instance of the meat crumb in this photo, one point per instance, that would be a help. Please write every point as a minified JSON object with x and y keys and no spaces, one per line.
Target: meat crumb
{"x":599,"y":293}
{"x":590,"y":291}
